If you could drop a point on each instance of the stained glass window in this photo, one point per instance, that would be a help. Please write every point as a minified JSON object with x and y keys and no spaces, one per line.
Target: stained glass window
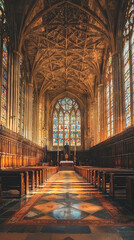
{"x":2,"y":4}
{"x":128,"y":60}
{"x":60,"y":129}
{"x":4,"y":47}
{"x":127,"y":84}
{"x":73,"y":126}
{"x":4,"y":83}
{"x":55,"y":128}
{"x":109,"y":97}
{"x":78,"y":128}
{"x":66,"y":128}
{"x":66,"y":123}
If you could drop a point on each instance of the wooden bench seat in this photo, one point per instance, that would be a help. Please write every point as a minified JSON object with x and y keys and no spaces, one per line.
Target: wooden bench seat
{"x":130,"y":192}
{"x":25,"y":178}
{"x":13,"y":180}
{"x":118,"y":183}
{"x":102,"y":178}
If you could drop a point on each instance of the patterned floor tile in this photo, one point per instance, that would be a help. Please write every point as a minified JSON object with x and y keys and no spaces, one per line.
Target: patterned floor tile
{"x":67,"y":200}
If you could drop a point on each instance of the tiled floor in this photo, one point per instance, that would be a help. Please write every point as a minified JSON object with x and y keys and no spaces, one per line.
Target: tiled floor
{"x":65,"y":208}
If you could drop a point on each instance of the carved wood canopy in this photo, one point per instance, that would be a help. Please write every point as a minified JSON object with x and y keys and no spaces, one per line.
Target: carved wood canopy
{"x":65,"y":43}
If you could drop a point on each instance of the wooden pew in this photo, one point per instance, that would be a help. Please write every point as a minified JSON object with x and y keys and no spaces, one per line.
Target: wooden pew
{"x":85,"y":172}
{"x":104,"y":176}
{"x":99,"y":177}
{"x":118,"y":182}
{"x":111,"y":180}
{"x":28,"y":174}
{"x":13,"y":180}
{"x":25,"y":178}
{"x":130,"y":192}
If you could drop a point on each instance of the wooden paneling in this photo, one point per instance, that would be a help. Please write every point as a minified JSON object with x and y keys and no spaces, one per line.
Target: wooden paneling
{"x":117,"y":151}
{"x":16,"y":151}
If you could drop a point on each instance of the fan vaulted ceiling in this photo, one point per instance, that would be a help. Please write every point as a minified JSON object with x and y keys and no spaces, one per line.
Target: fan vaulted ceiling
{"x":65,"y":43}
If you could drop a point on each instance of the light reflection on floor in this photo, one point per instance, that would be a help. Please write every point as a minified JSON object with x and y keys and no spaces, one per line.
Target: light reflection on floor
{"x":68,"y":198}
{"x":65,"y":208}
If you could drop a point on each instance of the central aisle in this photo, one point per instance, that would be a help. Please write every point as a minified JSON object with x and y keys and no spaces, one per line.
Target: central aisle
{"x":66,"y":208}
{"x":67,"y":200}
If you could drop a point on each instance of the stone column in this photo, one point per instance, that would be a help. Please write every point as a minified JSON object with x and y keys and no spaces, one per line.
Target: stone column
{"x":104,"y":113}
{"x":101,"y":114}
{"x":30,"y":110}
{"x":91,"y":121}
{"x":75,"y":155}
{"x":9,"y":113}
{"x":21,"y":108}
{"x":35,"y":117}
{"x":48,"y":120}
{"x":39,"y":121}
{"x":36,"y":121}
{"x":89,"y":124}
{"x":42,"y":123}
{"x":95,"y":122}
{"x":26,"y":112}
{"x":14,"y":91}
{"x":10,"y":93}
{"x":84,"y":123}
{"x":116,"y":94}
{"x":58,"y":152}
{"x":45,"y":133}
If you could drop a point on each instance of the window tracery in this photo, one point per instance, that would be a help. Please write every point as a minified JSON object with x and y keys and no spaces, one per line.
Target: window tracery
{"x":128,"y":62}
{"x":4,"y":59}
{"x":66,"y":123}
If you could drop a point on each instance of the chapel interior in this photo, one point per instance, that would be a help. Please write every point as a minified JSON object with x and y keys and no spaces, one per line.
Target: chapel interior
{"x":66,"y":119}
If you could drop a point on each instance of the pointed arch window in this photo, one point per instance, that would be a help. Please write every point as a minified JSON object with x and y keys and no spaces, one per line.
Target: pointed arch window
{"x":128,"y":64}
{"x":61,"y":128}
{"x":78,"y":128}
{"x":4,"y":62}
{"x":66,"y":123}
{"x":109,"y":97}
